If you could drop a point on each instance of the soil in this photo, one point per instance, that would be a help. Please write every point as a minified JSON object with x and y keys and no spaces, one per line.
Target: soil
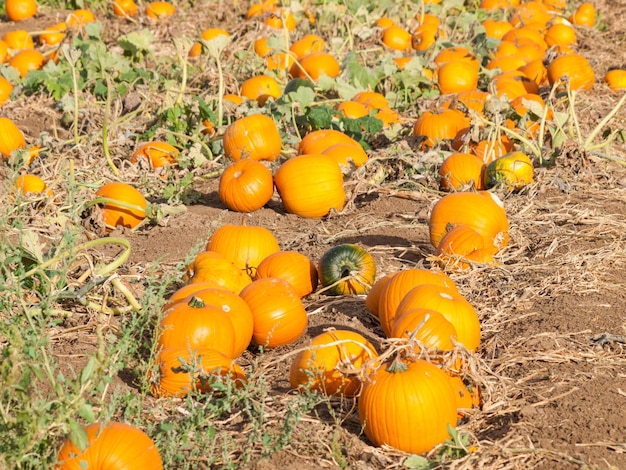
{"x":554,"y":393}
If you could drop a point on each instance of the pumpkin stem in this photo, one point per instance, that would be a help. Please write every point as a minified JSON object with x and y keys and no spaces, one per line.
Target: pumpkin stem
{"x":196,"y":302}
{"x":397,"y":366}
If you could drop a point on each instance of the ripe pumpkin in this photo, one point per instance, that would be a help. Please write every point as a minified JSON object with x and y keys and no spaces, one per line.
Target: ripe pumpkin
{"x":310,"y":185}
{"x":124,"y":8}
{"x":188,"y":290}
{"x":193,"y":325}
{"x":255,"y":136}
{"x":483,"y":211}
{"x":427,"y":327}
{"x":347,"y":155}
{"x":560,"y":34}
{"x":6,"y":88}
{"x":330,"y":362}
{"x":315,"y":65}
{"x":425,"y":36}
{"x":440,"y":126}
{"x":213,"y":267}
{"x":11,"y":137}
{"x":279,"y":315}
{"x":110,"y":445}
{"x":347,"y":269}
{"x":295,"y":268}
{"x":513,"y":171}
{"x":585,"y":15}
{"x":460,"y":171}
{"x":245,"y":245}
{"x":495,"y":29}
{"x":352,"y":109}
{"x":31,"y":184}
{"x":463,"y":244}
{"x":26,"y":60}
{"x":18,"y":40}
{"x":616,"y":79}
{"x":308,"y":44}
{"x":572,"y":68}
{"x":53,"y":35}
{"x":79,"y":18}
{"x":246,"y":185}
{"x":467,"y":395}
{"x":457,"y":76}
{"x":280,"y":18}
{"x":397,"y":38}
{"x":417,"y":417}
{"x":453,"y":306}
{"x":399,"y":285}
{"x":19,"y":10}
{"x":159,"y":10}
{"x":260,"y":88}
{"x":181,"y":371}
{"x":373,"y":296}
{"x":157,"y":154}
{"x":124,"y":206}
{"x":318,"y":141}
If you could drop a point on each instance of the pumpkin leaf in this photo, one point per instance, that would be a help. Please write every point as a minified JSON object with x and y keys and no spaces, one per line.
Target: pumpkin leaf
{"x":78,"y":435}
{"x":87,"y":413}
{"x":362,"y":77}
{"x":136,"y":43}
{"x":417,"y":462}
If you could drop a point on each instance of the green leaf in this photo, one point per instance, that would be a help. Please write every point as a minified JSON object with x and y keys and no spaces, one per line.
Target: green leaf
{"x":320,"y":117}
{"x":78,"y":435}
{"x":303,"y":95}
{"x":86,"y":412}
{"x":417,"y":462}
{"x":136,"y":42}
{"x":87,"y":371}
{"x":360,"y":76}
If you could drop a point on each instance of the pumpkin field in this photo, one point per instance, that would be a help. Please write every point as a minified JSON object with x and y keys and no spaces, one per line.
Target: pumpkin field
{"x":343,"y":234}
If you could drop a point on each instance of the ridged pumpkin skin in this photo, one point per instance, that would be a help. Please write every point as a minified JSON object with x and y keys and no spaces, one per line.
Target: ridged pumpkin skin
{"x":245,"y":245}
{"x":194,"y":325}
{"x":190,"y":289}
{"x":246,"y":185}
{"x":408,"y":406}
{"x":350,"y":267}
{"x":459,"y":171}
{"x":255,"y":136}
{"x":279,"y":315}
{"x":310,"y":185}
{"x":453,"y":306}
{"x":114,"y":214}
{"x":213,"y":267}
{"x":317,"y":142}
{"x":513,"y":171}
{"x":198,"y":371}
{"x":427,"y":326}
{"x":463,"y":244}
{"x":260,"y":88}
{"x":11,"y":137}
{"x":398,"y":286}
{"x":319,"y":367}
{"x":482,"y":211}
{"x":114,"y":445}
{"x":574,"y":68}
{"x":440,"y":126}
{"x":373,"y":296}
{"x":295,"y":268}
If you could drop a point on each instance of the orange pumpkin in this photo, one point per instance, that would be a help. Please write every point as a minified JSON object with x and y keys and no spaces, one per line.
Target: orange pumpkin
{"x":26,"y":60}
{"x":156,"y":153}
{"x":320,"y":140}
{"x":315,"y":65}
{"x":213,"y":267}
{"x":108,"y":446}
{"x":397,"y":38}
{"x":79,"y":18}
{"x":6,"y":88}
{"x":188,"y":290}
{"x":18,"y":40}
{"x":180,"y":371}
{"x":159,"y":10}
{"x":427,"y":327}
{"x":482,"y":211}
{"x":11,"y":137}
{"x":440,"y":126}
{"x":310,"y":185}
{"x":246,"y":185}
{"x":460,"y":171}
{"x":53,"y":35}
{"x":330,"y":363}
{"x":616,"y":79}
{"x":572,"y":69}
{"x":585,"y":15}
{"x":309,"y":44}
{"x":123,"y":205}
{"x":457,"y":76}
{"x":255,"y":136}
{"x":373,"y":296}
{"x":347,"y":155}
{"x":125,"y":8}
{"x":260,"y":88}
{"x":245,"y":245}
{"x":461,"y":245}
{"x":425,"y":36}
{"x":193,"y":325}
{"x":19,"y":10}
{"x":31,"y":184}
{"x":293,"y":267}
{"x":279,"y":315}
{"x":453,"y":306}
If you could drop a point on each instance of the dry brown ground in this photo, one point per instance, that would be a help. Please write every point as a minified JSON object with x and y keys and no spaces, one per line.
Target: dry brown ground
{"x":553,"y":396}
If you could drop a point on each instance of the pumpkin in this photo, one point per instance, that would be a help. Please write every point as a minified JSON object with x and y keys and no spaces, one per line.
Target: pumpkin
{"x":213,"y":267}
{"x":536,"y":71}
{"x":616,"y":79}
{"x":427,"y":327}
{"x":255,"y":136}
{"x":19,"y":10}
{"x":572,"y":69}
{"x":18,"y":40}
{"x":513,"y":171}
{"x":352,"y":109}
{"x":125,"y":8}
{"x":453,"y":306}
{"x":232,"y":305}
{"x":468,"y":395}
{"x":187,"y":290}
{"x":384,"y":22}
{"x":79,"y":18}
{"x":156,"y":154}
{"x":585,"y":15}
{"x":506,"y":63}
{"x":373,"y":296}
{"x":4,"y":51}
{"x":371,"y":99}
{"x":425,"y":36}
{"x":560,"y":34}
{"x":462,"y":244}
{"x":11,"y":137}
{"x":6,"y":88}
{"x":295,"y":268}
{"x":159,"y":10}
{"x":532,"y":12}
{"x":281,"y":18}
{"x":457,"y":76}
{"x":111,"y":445}
{"x":53,"y":35}
{"x":440,"y":126}
{"x":473,"y":100}
{"x":246,"y":185}
{"x":193,"y":325}
{"x":26,"y":60}
{"x":408,"y":406}
{"x":315,"y":65}
{"x":279,"y":315}
{"x":260,"y":88}
{"x":180,"y":371}
{"x":308,"y":44}
{"x":245,"y":245}
{"x":454,"y":54}
{"x":317,"y":141}
{"x":347,"y":269}
{"x":490,"y":149}
{"x":482,"y":211}
{"x":495,"y":29}
{"x":460,"y":171}
{"x":31,"y":184}
{"x":397,"y":38}
{"x":310,"y":185}
{"x":123,"y":205}
{"x":399,"y":285}
{"x":330,"y":361}
{"x":513,"y":84}
{"x":347,"y":155}
{"x":262,"y":8}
